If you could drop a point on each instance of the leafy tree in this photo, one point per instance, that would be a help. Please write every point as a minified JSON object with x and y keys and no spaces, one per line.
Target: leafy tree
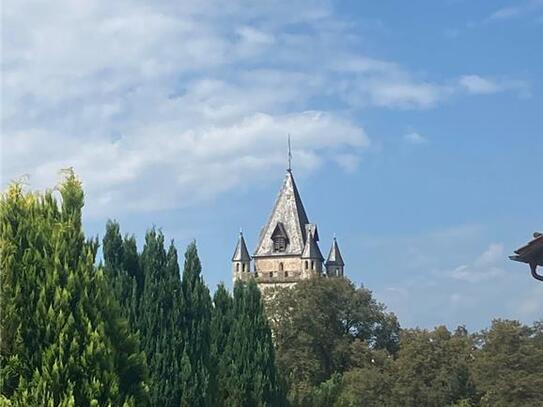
{"x":509,"y":365}
{"x":322,"y":326}
{"x":368,"y":386}
{"x":196,"y":361}
{"x":252,"y":378}
{"x":432,"y":369}
{"x":63,"y":341}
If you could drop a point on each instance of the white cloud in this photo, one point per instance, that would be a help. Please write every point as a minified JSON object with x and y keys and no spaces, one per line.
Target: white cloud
{"x":162,"y":104}
{"x":414,"y":138}
{"x":485,"y":267}
{"x":165,"y":165}
{"x":478,"y":85}
{"x":518,"y":10}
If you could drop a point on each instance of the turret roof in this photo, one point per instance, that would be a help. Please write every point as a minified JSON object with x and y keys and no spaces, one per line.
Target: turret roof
{"x":311,"y":249}
{"x":334,"y":257}
{"x":241,"y":253}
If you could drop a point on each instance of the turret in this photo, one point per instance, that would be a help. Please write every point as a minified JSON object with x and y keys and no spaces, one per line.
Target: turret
{"x":334,"y":263}
{"x":241,"y":260}
{"x":311,"y":256}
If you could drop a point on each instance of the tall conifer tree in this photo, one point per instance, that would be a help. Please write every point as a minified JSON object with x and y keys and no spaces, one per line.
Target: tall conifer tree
{"x":121,"y":263}
{"x":196,"y":362}
{"x":253,"y":378}
{"x":62,"y":342}
{"x":221,"y":323}
{"x":159,"y":319}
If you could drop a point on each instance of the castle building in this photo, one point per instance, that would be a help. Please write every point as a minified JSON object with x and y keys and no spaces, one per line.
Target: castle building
{"x":288,"y":247}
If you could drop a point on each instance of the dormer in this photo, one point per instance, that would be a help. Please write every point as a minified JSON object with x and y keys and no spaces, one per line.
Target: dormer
{"x":280,"y":238}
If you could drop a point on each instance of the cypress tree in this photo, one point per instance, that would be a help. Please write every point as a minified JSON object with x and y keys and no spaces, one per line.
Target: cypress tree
{"x":121,"y":264}
{"x":221,"y":323}
{"x":159,"y":319}
{"x":63,"y":341}
{"x":196,"y":360}
{"x":253,"y":378}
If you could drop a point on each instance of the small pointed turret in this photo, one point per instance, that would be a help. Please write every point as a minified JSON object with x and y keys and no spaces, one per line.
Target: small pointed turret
{"x":334,"y":262}
{"x":241,"y":260}
{"x":311,"y":249}
{"x":241,"y":253}
{"x":311,"y":255}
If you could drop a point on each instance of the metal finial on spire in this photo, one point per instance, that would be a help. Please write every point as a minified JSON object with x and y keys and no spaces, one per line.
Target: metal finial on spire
{"x":289,"y":155}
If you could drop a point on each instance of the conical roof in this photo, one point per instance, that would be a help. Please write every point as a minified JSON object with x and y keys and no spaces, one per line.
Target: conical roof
{"x":311,"y":249}
{"x":334,"y":257}
{"x":289,"y":211}
{"x":241,"y":253}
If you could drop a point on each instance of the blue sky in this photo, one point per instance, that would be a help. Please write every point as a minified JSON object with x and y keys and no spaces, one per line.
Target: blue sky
{"x":416,"y":129}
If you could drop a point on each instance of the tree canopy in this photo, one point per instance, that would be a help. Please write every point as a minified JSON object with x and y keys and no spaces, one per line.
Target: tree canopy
{"x":63,"y":341}
{"x":140,"y":330}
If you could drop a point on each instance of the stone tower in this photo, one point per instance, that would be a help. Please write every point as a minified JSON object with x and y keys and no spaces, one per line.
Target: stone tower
{"x":287,"y":249}
{"x":241,"y":261}
{"x":334,"y":262}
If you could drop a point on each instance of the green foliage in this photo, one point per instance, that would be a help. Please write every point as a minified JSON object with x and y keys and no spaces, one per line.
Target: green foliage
{"x":221,"y":323}
{"x":63,"y":341}
{"x":134,"y":332}
{"x":509,"y":366}
{"x":326,"y":326}
{"x":251,"y":378}
{"x":159,"y":319}
{"x":196,"y":361}
{"x":122,"y":266}
{"x":432,"y":369}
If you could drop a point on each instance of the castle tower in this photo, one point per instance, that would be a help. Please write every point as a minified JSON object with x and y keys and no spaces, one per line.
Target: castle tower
{"x":288,"y":249}
{"x":241,"y":260}
{"x":334,"y":262}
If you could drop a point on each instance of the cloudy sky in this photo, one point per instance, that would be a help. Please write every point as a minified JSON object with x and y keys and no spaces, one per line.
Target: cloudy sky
{"x":416,"y":130}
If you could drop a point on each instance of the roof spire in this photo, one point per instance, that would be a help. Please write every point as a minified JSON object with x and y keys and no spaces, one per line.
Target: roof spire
{"x":289,"y":155}
{"x":241,"y":253}
{"x":334,"y":257}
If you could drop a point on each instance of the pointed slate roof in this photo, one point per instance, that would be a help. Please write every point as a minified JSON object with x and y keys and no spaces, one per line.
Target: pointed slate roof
{"x":289,"y":211}
{"x":334,"y":257}
{"x":311,"y":249}
{"x":241,"y":253}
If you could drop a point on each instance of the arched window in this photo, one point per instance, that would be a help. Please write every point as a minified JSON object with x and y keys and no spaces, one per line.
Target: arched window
{"x":306,"y":264}
{"x":312,"y":265}
{"x":244,"y":267}
{"x":281,"y":266}
{"x":271,"y":274}
{"x":237,"y":266}
{"x":286,"y":273}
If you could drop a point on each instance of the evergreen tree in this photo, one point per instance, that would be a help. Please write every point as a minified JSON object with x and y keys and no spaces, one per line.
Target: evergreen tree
{"x":121,"y":264}
{"x":221,"y":322}
{"x":252,"y":378}
{"x":196,"y":362}
{"x":159,"y":319}
{"x":63,"y":341}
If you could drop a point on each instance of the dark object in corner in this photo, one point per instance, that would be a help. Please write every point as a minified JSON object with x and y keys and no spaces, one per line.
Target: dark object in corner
{"x":532,"y":254}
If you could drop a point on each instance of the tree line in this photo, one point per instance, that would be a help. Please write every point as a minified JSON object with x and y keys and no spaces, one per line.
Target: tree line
{"x":136,"y":328}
